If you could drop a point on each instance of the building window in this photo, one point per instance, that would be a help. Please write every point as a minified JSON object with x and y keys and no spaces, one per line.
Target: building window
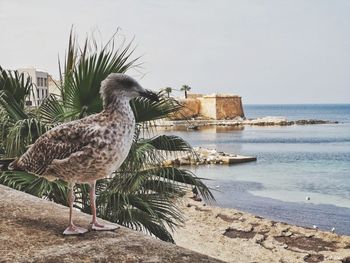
{"x":41,"y":82}
{"x":28,"y":103}
{"x":37,"y":92}
{"x":45,"y":82}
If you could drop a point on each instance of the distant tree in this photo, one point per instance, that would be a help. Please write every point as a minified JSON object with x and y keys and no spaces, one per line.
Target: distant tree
{"x":168,"y":90}
{"x":185,"y":88}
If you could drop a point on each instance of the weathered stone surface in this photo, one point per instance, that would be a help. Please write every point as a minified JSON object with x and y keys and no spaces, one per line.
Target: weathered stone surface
{"x":238,"y":121}
{"x":269,"y":121}
{"x":207,"y":156}
{"x":31,"y":231}
{"x":189,"y":110}
{"x":229,"y":107}
{"x":308,"y":122}
{"x":214,"y":106}
{"x":221,"y":106}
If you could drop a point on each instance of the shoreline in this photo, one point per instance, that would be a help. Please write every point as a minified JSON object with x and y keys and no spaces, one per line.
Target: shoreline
{"x":205,"y":156}
{"x":235,"y":236}
{"x":264,"y":121}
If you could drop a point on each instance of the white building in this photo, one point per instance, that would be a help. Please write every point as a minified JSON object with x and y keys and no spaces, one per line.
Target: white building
{"x":54,"y":87}
{"x":40,"y":79}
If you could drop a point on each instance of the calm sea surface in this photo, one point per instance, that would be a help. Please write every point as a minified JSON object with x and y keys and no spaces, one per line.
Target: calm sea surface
{"x":293,"y":162}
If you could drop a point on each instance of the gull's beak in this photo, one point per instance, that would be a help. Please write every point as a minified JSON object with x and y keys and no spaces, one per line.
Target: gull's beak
{"x":149,"y":95}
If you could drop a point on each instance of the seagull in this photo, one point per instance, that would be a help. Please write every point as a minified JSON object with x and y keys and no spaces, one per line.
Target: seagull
{"x":307,"y":198}
{"x":315,"y":227}
{"x":333,"y":230}
{"x":88,"y":149}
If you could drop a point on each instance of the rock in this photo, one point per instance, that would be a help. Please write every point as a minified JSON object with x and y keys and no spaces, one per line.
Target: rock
{"x":168,"y":163}
{"x":308,"y":122}
{"x":258,"y":238}
{"x":208,"y":156}
{"x":35,"y":235}
{"x":241,"y":227}
{"x":192,"y":127}
{"x":185,"y":162}
{"x":197,"y":198}
{"x":237,"y":159}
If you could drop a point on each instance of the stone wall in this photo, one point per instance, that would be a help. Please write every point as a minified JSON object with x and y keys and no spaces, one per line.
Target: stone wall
{"x":31,"y":231}
{"x":189,"y":110}
{"x":214,"y":106}
{"x":229,"y":107}
{"x":221,"y":106}
{"x":194,"y":95}
{"x":208,"y":107}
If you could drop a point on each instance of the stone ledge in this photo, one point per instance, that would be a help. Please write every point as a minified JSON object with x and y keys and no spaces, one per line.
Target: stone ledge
{"x":31,"y":231}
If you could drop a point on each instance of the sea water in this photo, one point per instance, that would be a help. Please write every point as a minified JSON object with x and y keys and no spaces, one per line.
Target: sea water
{"x":294,"y":163}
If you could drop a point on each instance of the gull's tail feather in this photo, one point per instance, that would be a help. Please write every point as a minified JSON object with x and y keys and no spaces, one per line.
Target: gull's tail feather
{"x":8,"y":164}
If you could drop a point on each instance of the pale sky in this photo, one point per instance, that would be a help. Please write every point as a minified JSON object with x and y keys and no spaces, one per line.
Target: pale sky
{"x":267,"y":51}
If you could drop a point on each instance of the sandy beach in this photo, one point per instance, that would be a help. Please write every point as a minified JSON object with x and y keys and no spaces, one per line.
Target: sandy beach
{"x":234,"y":236}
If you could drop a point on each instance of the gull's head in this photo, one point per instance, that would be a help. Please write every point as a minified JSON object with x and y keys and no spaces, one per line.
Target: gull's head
{"x":120,"y":86}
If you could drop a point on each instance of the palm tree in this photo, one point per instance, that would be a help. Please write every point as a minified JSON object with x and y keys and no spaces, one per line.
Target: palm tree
{"x":142,"y":193}
{"x":18,"y":128}
{"x":185,"y":88}
{"x":168,"y":90}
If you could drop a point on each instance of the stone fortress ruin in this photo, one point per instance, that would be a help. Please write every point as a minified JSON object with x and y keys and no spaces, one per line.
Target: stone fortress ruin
{"x":213,"y":106}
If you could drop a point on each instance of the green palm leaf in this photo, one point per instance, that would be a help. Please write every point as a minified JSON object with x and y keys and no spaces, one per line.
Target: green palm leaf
{"x":85,"y":71}
{"x":146,"y":111}
{"x":34,"y":185}
{"x":16,"y":85}
{"x":169,"y":143}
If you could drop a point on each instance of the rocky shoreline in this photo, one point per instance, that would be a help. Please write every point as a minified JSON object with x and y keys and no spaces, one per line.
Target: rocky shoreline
{"x":201,"y":156}
{"x":271,"y":121}
{"x":235,"y":236}
{"x":265,"y":121}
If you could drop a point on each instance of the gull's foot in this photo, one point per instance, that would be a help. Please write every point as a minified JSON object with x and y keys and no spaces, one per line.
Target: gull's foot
{"x":74,"y":230}
{"x":101,"y":227}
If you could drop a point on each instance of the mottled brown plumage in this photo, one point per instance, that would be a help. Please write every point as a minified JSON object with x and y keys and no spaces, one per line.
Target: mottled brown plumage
{"x":83,"y":150}
{"x":88,"y":149}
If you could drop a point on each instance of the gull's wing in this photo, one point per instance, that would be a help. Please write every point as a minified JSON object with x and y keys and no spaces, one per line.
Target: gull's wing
{"x":58,"y":143}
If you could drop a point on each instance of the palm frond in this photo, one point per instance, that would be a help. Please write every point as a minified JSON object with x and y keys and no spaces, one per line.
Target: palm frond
{"x":181,"y":176}
{"x":146,"y":110}
{"x":52,"y":110}
{"x":169,"y":143}
{"x":34,"y":185}
{"x":12,"y":108}
{"x":84,"y":72}
{"x":144,"y":212}
{"x":23,"y":133}
{"x":17,"y":85}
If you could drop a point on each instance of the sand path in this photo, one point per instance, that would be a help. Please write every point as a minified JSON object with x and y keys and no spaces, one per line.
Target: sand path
{"x":234,"y":236}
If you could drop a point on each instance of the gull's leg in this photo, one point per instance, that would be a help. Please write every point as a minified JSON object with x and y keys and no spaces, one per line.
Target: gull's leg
{"x":72,"y":229}
{"x":95,"y":225}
